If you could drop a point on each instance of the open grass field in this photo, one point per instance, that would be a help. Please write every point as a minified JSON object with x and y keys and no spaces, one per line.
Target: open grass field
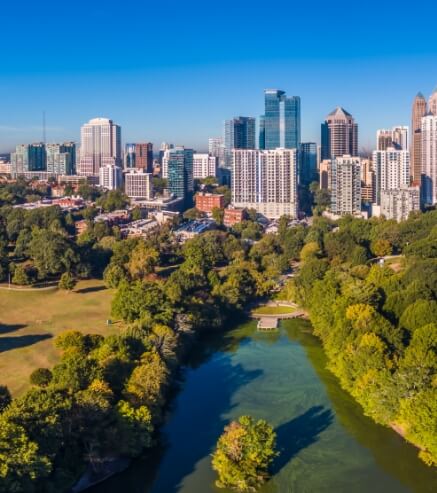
{"x":273,"y":310}
{"x":29,"y":321}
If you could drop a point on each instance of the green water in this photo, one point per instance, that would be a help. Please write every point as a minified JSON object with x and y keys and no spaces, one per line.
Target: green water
{"x":326,"y":443}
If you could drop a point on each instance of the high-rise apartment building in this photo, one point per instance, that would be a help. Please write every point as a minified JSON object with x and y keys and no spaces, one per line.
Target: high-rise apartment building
{"x":61,"y":158}
{"x":138,"y":184}
{"x":265,"y":181}
{"x":280,"y":124}
{"x":100,"y":146}
{"x":164,"y":147}
{"x":418,"y":112}
{"x":180,"y":174}
{"x":398,"y":204}
{"x":339,"y":135}
{"x":308,"y":163}
{"x":397,"y":138}
{"x":28,"y":157}
{"x":392,"y":170}
{"x":346,"y":185}
{"x":204,"y":165}
{"x":368,"y":182}
{"x":110,"y":176}
{"x":432,"y":103}
{"x":139,"y":156}
{"x":429,"y":159}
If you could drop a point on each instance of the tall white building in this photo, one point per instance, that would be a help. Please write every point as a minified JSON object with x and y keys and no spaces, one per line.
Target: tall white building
{"x":429,"y":159}
{"x":397,"y":137}
{"x":265,"y":181}
{"x":397,"y":204}
{"x":100,"y":145}
{"x":138,"y":184}
{"x":110,"y":176}
{"x":164,"y":164}
{"x":392,"y":170}
{"x":204,"y":165}
{"x":346,"y":185}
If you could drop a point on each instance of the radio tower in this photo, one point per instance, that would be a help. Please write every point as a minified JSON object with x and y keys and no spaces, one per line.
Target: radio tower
{"x":44,"y":127}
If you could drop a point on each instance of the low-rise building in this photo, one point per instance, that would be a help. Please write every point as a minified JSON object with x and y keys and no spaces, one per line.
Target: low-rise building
{"x":233,"y":216}
{"x":113,"y":218}
{"x":138,"y":228}
{"x":206,"y":202}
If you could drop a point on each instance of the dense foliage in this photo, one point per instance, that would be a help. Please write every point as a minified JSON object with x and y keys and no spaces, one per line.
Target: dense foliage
{"x":106,"y":395}
{"x":378,"y":323}
{"x":244,"y":453}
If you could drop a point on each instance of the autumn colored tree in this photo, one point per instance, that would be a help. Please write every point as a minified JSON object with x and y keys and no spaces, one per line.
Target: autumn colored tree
{"x":244,"y":453}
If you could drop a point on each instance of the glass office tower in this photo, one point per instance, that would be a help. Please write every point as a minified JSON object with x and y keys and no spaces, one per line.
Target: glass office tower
{"x":281,"y":121}
{"x":180,"y":174}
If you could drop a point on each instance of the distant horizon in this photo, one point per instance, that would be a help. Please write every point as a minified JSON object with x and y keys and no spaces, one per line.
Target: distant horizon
{"x":179,"y":76}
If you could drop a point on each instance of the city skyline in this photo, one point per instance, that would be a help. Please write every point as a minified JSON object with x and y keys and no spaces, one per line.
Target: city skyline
{"x":157,"y":86}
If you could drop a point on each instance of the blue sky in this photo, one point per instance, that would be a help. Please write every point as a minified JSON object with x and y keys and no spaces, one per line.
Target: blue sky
{"x":174,"y":70}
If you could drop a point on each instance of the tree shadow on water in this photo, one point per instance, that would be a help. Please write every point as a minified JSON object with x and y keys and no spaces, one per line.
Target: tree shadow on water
{"x":299,"y":433}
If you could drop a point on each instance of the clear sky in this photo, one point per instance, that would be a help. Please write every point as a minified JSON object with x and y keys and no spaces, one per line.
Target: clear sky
{"x":174,"y":70}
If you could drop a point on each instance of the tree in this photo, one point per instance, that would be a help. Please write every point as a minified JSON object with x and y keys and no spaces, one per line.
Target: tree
{"x":67,"y":282}
{"x":381,"y":248}
{"x":134,"y":426}
{"x":5,"y":397}
{"x":309,"y":251}
{"x":244,"y":453}
{"x":147,"y":383}
{"x":192,"y":214}
{"x":20,"y":275}
{"x":420,"y":313}
{"x":41,"y":377}
{"x":51,"y":252}
{"x":113,"y":275}
{"x":21,"y":464}
{"x":142,"y":261}
{"x":113,"y":200}
{"x":218,"y":215}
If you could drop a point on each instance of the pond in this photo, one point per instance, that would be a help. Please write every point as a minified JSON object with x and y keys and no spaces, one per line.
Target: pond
{"x":326,"y":443}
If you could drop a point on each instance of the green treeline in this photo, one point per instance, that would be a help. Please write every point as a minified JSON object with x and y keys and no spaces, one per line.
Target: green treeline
{"x":378,"y":324}
{"x":106,"y":396}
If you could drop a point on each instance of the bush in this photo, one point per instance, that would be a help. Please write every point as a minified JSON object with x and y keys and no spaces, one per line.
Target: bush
{"x":41,"y":377}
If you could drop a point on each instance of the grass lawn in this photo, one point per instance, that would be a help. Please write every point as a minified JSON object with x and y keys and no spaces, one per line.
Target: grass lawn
{"x":30,"y":320}
{"x":273,"y":310}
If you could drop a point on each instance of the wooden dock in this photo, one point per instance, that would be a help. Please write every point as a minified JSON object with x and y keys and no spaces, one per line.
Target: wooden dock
{"x":267,"y":323}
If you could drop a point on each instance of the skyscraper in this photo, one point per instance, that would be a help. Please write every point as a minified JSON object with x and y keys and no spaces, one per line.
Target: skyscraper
{"x":280,"y":124}
{"x":308,"y":163}
{"x":392,"y":170}
{"x":419,"y":111}
{"x":397,"y":137}
{"x":239,"y":134}
{"x":28,"y":157}
{"x":100,"y":145}
{"x":216,"y":148}
{"x":180,"y":174}
{"x":432,"y":103}
{"x":139,"y":156}
{"x":265,"y":181}
{"x":429,"y":159}
{"x":339,"y":135}
{"x":346,"y":185}
{"x":61,"y":158}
